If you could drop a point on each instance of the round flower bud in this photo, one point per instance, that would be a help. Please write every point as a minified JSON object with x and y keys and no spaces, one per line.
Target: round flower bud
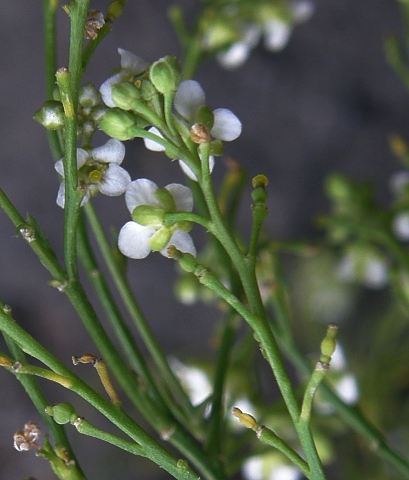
{"x":62,"y":413}
{"x":118,"y":124}
{"x":165,"y":75}
{"x":88,"y":96}
{"x":50,"y":115}
{"x":126,"y":96}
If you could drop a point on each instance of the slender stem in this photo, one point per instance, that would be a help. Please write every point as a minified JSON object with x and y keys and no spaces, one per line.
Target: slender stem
{"x":215,"y":436}
{"x":117,"y":416}
{"x":135,"y":311}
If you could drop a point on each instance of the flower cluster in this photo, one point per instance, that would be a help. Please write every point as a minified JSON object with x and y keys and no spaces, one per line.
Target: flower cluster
{"x":234,"y":32}
{"x":189,"y":102}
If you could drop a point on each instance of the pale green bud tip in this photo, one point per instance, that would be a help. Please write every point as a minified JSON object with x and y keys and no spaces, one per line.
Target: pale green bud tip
{"x":328,"y":345}
{"x":160,"y":239}
{"x":165,"y":74}
{"x":148,"y":215}
{"x":50,"y":115}
{"x":62,"y":413}
{"x":245,"y":419}
{"x":259,"y":181}
{"x":118,"y":124}
{"x":125,"y":95}
{"x":338,"y":187}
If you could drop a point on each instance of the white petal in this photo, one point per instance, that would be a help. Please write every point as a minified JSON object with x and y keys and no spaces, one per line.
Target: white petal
{"x":400,"y":226}
{"x":182,"y":195}
{"x":82,"y":157}
{"x":59,"y":166}
{"x":106,"y":89}
{"x":284,"y":472}
{"x":277,"y":34}
{"x":226,"y":125}
{"x":398,"y":182}
{"x":61,"y":195}
{"x":131,"y":63}
{"x":151,"y":144}
{"x":234,"y":56}
{"x":182,"y":241}
{"x":112,"y":152}
{"x":189,"y":97}
{"x":115,"y":181}
{"x":253,"y":468}
{"x":302,"y":10}
{"x":141,"y":192}
{"x":347,"y":389}
{"x":133,"y":240}
{"x":189,"y":172}
{"x":338,"y":361}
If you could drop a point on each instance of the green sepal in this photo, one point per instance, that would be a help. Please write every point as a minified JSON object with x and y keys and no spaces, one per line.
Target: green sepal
{"x":126,"y":96}
{"x":118,"y":124}
{"x":205,"y":117}
{"x":148,"y":215}
{"x":166,"y":199}
{"x":50,"y":115}
{"x":160,"y":239}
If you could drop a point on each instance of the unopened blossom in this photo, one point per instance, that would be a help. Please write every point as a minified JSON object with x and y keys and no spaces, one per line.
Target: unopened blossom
{"x":188,"y":100}
{"x":148,"y":204}
{"x":130,"y":65}
{"x":98,"y":171}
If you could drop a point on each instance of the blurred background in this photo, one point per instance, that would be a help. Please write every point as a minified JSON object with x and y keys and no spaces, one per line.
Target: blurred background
{"x":328,"y":102}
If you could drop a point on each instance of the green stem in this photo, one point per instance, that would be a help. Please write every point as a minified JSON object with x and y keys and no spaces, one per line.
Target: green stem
{"x":136,"y":313}
{"x":50,"y":55}
{"x":259,"y":321}
{"x":117,"y":416}
{"x":216,"y":427}
{"x":121,"y":331}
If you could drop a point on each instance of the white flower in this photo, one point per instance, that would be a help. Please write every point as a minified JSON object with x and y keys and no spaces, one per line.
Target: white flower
{"x":137,"y":240}
{"x":400,"y":226}
{"x":98,"y":170}
{"x":189,"y":98}
{"x":347,"y":388}
{"x":130,"y":65}
{"x":269,"y":467}
{"x":194,"y":380}
{"x":238,"y":53}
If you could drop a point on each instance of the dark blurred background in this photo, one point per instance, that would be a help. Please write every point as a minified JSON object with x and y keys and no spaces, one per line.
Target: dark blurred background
{"x":327,"y":102}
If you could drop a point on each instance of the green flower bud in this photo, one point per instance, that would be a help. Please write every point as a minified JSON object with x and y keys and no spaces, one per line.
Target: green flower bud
{"x":187,"y":261}
{"x":148,"y":215}
{"x":118,"y":124}
{"x":89,"y":96}
{"x":165,"y":75}
{"x":160,"y":239}
{"x":50,"y":115}
{"x":126,"y":96}
{"x":62,"y":413}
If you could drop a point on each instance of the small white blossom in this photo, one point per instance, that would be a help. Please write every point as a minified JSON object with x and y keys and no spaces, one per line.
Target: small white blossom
{"x":136,"y":240}
{"x":269,"y":467}
{"x":189,"y":98}
{"x":98,"y":171}
{"x":400,"y":226}
{"x":347,"y":388}
{"x":130,"y":65}
{"x":194,"y":380}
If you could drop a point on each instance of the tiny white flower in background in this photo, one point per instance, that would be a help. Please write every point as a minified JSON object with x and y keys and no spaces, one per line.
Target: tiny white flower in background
{"x":277,"y":33}
{"x":269,"y":467}
{"x":195,"y":381}
{"x":135,"y":240}
{"x":338,"y":361}
{"x":188,"y":99}
{"x":362,"y":266}
{"x":347,"y":388}
{"x":98,"y":171}
{"x":238,"y":53}
{"x":398,"y":182}
{"x":400,"y":225}
{"x":130,"y":65}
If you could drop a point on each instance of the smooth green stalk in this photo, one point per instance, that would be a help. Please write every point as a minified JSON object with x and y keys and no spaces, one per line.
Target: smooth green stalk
{"x":84,"y":427}
{"x":136,"y":313}
{"x":37,"y":396}
{"x":214,"y":439}
{"x":117,"y":416}
{"x":128,"y":346}
{"x":50,"y":56}
{"x":259,"y":318}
